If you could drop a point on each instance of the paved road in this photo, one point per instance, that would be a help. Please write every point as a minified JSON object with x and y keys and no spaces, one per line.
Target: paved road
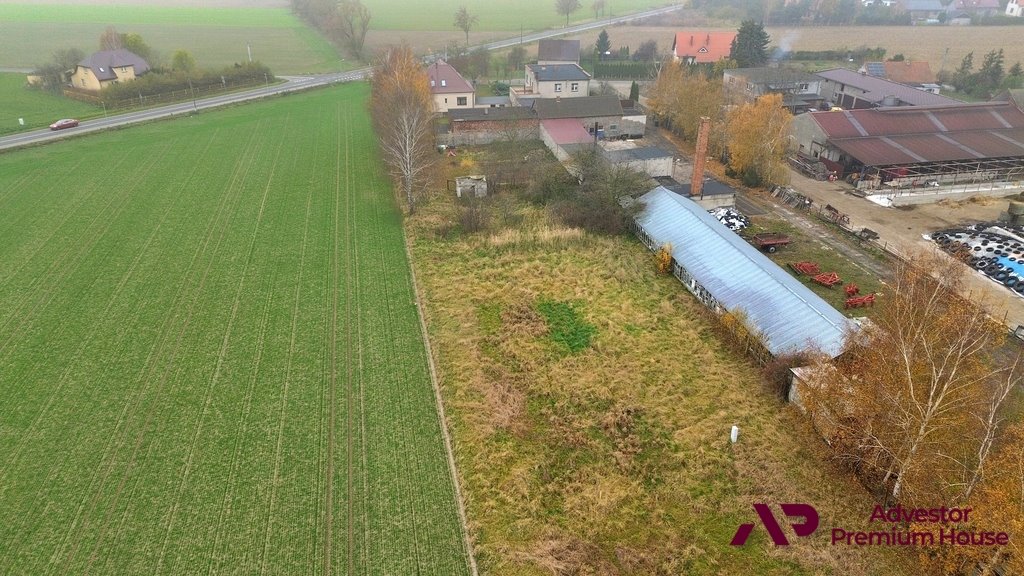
{"x":291,"y":84}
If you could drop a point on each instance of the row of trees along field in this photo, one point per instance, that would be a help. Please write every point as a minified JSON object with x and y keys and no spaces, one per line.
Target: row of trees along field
{"x":924,"y":407}
{"x":401,"y":108}
{"x":750,"y":136}
{"x":344,"y":23}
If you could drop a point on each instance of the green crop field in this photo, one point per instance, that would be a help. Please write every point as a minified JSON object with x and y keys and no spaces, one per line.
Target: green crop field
{"x":531,"y":14}
{"x":36,"y":107}
{"x":217,"y":37}
{"x":210,"y":357}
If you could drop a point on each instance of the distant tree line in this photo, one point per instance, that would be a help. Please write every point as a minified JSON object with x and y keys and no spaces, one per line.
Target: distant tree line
{"x":809,"y":12}
{"x":987,"y":80}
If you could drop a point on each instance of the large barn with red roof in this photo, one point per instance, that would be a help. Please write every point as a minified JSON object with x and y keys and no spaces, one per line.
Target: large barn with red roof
{"x":916,"y":146}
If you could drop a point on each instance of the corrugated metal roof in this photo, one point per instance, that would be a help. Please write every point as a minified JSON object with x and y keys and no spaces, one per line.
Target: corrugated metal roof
{"x":789,"y":315}
{"x":581,"y":107}
{"x":888,"y":136}
{"x":876,"y":89}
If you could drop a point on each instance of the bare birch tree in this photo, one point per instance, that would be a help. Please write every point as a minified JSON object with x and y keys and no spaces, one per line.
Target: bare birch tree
{"x":402,"y":110}
{"x":915,"y":402}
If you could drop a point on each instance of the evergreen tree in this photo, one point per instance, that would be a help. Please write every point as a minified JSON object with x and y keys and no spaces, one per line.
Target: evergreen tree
{"x":750,"y":47}
{"x":634,"y":91}
{"x":603,"y":43}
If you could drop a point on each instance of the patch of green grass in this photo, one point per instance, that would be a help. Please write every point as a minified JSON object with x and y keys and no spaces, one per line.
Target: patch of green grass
{"x":126,"y":15}
{"x":211,"y":356}
{"x":565,"y":325}
{"x":282,"y":42}
{"x":38,"y":108}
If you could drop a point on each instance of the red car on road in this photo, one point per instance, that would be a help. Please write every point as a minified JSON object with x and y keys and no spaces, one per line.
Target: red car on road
{"x":65,"y":123}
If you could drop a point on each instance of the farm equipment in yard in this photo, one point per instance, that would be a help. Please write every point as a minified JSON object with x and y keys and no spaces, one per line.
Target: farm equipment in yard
{"x":860,"y":301}
{"x":805,"y":268}
{"x":770,"y":241}
{"x":828,"y":279}
{"x":852,"y":290}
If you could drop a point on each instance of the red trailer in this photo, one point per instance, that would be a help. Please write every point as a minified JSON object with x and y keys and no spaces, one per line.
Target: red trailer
{"x":770,"y":241}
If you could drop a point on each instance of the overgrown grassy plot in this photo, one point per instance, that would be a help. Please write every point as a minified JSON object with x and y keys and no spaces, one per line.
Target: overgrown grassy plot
{"x":210,"y":357}
{"x":613,"y":459}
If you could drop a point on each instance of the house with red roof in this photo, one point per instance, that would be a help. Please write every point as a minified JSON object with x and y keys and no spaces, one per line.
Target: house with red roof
{"x":702,"y":46}
{"x":449,"y":88}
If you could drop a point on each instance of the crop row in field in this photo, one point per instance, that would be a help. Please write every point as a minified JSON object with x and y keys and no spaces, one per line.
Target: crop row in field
{"x":210,"y":356}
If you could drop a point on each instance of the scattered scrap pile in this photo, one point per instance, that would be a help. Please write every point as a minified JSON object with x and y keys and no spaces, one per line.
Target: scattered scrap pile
{"x":830,"y":279}
{"x":732,"y":219}
{"x":995,"y":249}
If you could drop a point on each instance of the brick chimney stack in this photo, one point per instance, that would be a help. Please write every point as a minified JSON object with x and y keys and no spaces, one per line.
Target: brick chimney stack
{"x":699,"y":157}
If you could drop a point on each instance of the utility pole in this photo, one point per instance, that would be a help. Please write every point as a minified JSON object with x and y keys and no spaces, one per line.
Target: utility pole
{"x":194,"y":107}
{"x":248,"y":48}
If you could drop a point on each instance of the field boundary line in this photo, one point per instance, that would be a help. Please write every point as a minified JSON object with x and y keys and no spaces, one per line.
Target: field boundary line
{"x":439,"y":405}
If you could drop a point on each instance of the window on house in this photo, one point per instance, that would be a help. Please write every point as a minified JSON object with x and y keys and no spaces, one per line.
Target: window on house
{"x":575,"y":87}
{"x":613,"y":126}
{"x":445,"y":100}
{"x":444,"y":83}
{"x":803,"y":86}
{"x":558,"y":87}
{"x":431,"y":83}
{"x":460,"y":101}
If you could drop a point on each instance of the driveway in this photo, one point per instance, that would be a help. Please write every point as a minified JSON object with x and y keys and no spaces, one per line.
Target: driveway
{"x":903,"y":228}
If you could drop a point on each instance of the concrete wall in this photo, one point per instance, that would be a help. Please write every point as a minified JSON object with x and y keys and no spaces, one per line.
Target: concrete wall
{"x":908,"y":198}
{"x":652,"y":167}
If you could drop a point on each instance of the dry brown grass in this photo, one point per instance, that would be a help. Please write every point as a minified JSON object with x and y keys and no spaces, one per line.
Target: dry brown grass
{"x":915,"y":42}
{"x":615,"y":460}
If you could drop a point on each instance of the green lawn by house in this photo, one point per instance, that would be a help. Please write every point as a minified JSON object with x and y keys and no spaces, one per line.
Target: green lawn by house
{"x":38,"y":108}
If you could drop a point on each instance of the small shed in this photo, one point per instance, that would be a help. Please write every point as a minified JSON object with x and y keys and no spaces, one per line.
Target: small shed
{"x":471,"y":186}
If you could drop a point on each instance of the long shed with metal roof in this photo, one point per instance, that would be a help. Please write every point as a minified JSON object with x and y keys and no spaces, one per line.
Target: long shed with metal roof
{"x":726,"y":273}
{"x":915,"y":145}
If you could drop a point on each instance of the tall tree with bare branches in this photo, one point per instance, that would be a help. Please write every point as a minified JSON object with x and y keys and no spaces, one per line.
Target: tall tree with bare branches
{"x":465,"y":21}
{"x":353,"y":23}
{"x":598,"y":7}
{"x":567,"y":7}
{"x":401,"y":107}
{"x":916,"y":401}
{"x":110,"y":39}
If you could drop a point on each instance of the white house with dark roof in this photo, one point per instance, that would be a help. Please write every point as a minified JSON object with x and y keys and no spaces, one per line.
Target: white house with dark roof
{"x":553,"y":81}
{"x":1014,"y":8}
{"x":108,"y":67}
{"x":449,"y":88}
